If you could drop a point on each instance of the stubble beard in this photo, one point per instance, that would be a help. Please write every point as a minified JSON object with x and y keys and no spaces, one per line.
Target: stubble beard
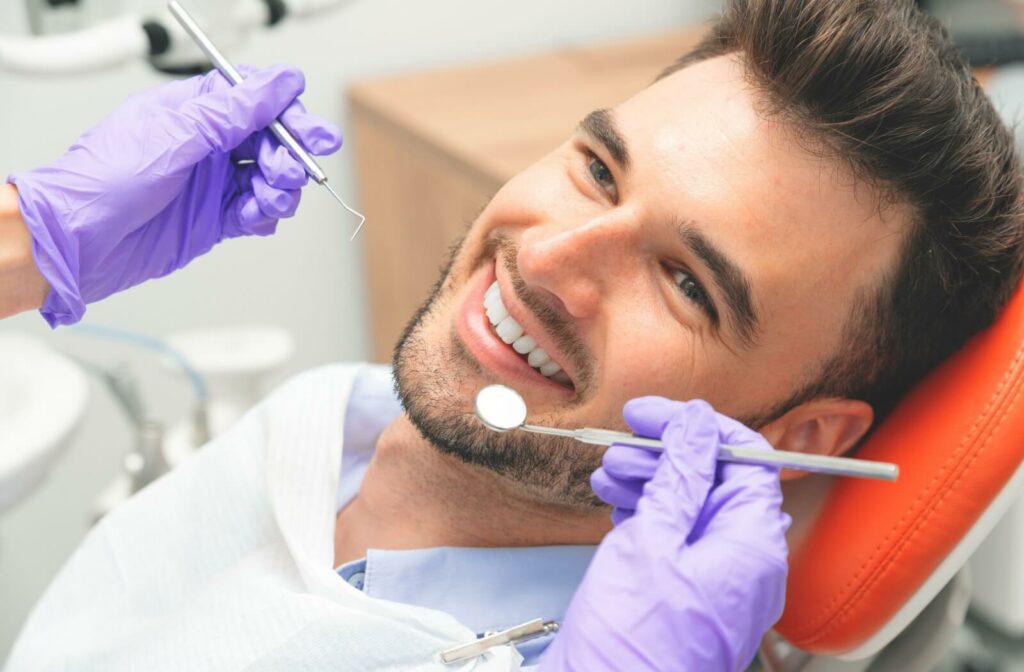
{"x":430,"y":380}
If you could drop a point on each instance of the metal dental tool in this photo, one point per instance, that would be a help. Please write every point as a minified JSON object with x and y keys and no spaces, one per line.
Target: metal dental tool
{"x":276,"y":127}
{"x":524,"y":632}
{"x":502,"y":409}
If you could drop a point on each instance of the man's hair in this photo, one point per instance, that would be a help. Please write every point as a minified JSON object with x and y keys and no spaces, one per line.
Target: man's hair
{"x":880,"y":86}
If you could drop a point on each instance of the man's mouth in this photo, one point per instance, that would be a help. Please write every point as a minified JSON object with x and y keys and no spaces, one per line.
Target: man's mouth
{"x":514,"y":335}
{"x":508,"y":347}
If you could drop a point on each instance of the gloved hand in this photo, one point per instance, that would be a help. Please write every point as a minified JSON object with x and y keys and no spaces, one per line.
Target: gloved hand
{"x":157,"y":183}
{"x":694,"y":578}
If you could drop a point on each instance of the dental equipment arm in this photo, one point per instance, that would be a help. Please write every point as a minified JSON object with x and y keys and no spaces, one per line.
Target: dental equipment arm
{"x":133,"y":37}
{"x":169,"y":174}
{"x":694,"y":572}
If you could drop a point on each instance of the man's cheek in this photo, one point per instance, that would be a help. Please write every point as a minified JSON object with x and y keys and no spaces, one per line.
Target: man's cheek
{"x":666,"y":370}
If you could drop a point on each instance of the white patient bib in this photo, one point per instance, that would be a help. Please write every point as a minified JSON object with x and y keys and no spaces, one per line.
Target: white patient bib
{"x":227,"y":564}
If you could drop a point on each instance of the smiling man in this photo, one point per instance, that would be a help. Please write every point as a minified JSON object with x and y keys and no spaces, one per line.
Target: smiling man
{"x":774,"y":226}
{"x":794,"y":223}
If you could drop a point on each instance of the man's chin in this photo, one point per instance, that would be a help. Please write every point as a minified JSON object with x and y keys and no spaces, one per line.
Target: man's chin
{"x":434,"y":380}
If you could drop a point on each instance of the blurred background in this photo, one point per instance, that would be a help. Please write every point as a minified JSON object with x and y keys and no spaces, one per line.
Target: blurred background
{"x":440,"y":102}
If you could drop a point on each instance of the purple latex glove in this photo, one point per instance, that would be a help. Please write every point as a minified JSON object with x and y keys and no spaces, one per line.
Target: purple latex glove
{"x":157,"y":183}
{"x":697,"y":575}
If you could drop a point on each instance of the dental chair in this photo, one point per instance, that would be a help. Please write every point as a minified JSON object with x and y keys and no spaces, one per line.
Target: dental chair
{"x":879,"y":580}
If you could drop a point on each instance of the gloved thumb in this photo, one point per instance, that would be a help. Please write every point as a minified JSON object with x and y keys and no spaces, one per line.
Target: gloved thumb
{"x":686,"y":474}
{"x":648,"y":416}
{"x":228,"y":115}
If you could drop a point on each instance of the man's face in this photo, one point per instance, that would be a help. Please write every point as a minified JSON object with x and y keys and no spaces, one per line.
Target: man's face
{"x":681,"y":244}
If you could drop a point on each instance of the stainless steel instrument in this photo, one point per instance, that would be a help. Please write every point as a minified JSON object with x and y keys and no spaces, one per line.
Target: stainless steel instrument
{"x":502,"y":409}
{"x":229,"y":71}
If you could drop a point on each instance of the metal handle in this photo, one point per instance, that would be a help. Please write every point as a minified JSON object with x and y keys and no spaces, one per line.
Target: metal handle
{"x":225,"y":67}
{"x":524,"y":632}
{"x":822,"y":464}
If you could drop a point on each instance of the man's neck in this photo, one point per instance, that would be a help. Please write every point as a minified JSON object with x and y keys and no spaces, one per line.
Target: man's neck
{"x":412,"y":496}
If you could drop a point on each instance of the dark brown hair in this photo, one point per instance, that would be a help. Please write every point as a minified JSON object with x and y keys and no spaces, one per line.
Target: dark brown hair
{"x":881,"y":87}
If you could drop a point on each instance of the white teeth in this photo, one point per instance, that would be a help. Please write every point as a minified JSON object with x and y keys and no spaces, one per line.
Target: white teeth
{"x":497,"y":313}
{"x":512,"y":333}
{"x":550,"y":368}
{"x":508,"y":330}
{"x":524,"y":344}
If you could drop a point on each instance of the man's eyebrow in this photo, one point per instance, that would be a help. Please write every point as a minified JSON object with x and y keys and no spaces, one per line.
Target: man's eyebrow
{"x":600,"y":125}
{"x":728,"y":277}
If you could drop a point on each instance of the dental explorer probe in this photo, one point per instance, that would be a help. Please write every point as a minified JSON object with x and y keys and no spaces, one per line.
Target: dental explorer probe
{"x":502,"y":409}
{"x":230,"y":73}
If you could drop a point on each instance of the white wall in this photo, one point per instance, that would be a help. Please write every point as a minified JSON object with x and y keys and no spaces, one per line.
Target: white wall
{"x":308,"y":277}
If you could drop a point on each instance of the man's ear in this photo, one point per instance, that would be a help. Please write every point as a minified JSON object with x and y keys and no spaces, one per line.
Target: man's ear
{"x":821,"y":427}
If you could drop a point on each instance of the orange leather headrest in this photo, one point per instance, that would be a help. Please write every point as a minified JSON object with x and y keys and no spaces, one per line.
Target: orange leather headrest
{"x":958,"y":437}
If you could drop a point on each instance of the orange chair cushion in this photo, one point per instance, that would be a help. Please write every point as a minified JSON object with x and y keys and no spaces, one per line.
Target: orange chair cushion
{"x":958,"y":437}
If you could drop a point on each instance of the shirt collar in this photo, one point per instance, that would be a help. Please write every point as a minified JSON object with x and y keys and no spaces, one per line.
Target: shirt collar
{"x":484,"y":588}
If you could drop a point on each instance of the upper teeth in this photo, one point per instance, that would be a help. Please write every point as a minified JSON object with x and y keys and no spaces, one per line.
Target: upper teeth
{"x":513,"y":333}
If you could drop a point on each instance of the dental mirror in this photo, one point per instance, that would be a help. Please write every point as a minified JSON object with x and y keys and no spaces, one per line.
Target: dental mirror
{"x":502,"y":409}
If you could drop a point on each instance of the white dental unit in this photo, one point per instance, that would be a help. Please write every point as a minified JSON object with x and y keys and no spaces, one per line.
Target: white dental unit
{"x":70,"y":36}
{"x":43,"y":397}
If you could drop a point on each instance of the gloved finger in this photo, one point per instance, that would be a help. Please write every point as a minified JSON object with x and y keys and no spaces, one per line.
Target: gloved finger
{"x":736,"y":433}
{"x":280,"y":169}
{"x":648,"y":416}
{"x":245,"y":218}
{"x":274,"y":202}
{"x":614,"y":491}
{"x":172,"y":94}
{"x":317,"y":135}
{"x":620,"y":515}
{"x":199,"y":85}
{"x":630,"y":462}
{"x":746,"y":506}
{"x":761,"y":482}
{"x":248,"y":150}
{"x":177,"y":92}
{"x":686,"y":474}
{"x":243,"y":175}
{"x":248,"y":213}
{"x":224,"y":117}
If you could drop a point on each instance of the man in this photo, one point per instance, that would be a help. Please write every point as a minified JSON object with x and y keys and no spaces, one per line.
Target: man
{"x":794,"y":223}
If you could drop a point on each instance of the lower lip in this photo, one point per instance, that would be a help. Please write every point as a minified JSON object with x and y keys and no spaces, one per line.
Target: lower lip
{"x":495,"y":355}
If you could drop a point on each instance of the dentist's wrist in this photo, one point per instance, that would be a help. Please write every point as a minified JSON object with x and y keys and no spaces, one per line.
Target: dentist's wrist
{"x":22,"y":286}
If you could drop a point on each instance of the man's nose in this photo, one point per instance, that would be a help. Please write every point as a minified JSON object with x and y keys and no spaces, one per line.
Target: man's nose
{"x":579,"y":263}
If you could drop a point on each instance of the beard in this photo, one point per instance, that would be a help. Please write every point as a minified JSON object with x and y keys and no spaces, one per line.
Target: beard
{"x":430,"y":380}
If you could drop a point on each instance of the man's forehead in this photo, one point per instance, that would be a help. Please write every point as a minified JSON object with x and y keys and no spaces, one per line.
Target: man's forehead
{"x":717,"y":84}
{"x":712,"y":111}
{"x":707,"y":121}
{"x":699,"y":134}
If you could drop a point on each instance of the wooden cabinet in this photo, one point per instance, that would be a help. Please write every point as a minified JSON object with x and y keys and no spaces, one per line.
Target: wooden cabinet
{"x":432,"y":148}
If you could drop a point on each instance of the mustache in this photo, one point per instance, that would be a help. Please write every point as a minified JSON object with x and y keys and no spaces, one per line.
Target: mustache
{"x":559,"y":325}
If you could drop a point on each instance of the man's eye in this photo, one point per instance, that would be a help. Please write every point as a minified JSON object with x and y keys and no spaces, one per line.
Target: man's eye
{"x":692,"y":290}
{"x":603,"y":176}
